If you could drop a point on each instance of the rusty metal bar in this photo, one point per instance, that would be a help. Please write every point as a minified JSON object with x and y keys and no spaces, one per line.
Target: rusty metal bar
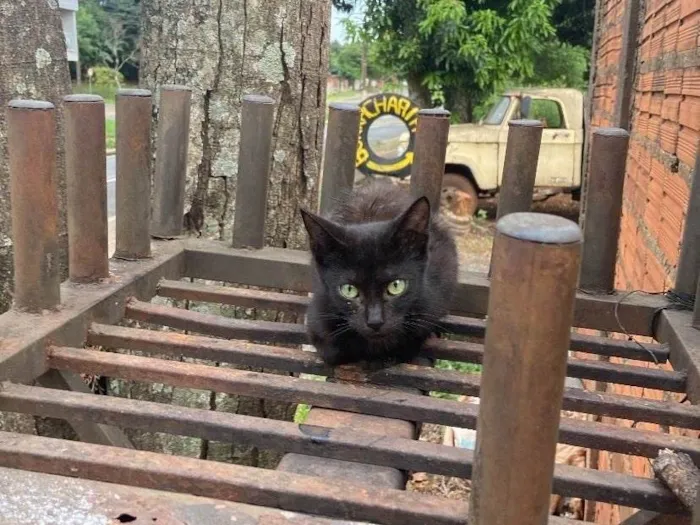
{"x":23,"y":352}
{"x":86,"y":165}
{"x":254,"y":157}
{"x":339,"y":153}
{"x":606,"y":178}
{"x":268,"y":434}
{"x":172,"y":140}
{"x":688,"y":270}
{"x":606,"y":371}
{"x":31,"y":145}
{"x":230,"y":482}
{"x":429,"y":158}
{"x":535,"y":266}
{"x":181,"y":290}
{"x":293,"y":333}
{"x":520,"y":166}
{"x":290,"y":270}
{"x":355,"y":398}
{"x":675,"y":328}
{"x":307,"y":439}
{"x":133,"y":186}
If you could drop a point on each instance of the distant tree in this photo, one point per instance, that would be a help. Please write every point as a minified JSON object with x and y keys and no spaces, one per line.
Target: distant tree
{"x":91,"y":27}
{"x":458,"y":52}
{"x":122,"y":33}
{"x":573,"y":20}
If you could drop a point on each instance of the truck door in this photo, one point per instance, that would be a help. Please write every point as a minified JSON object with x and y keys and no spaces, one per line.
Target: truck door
{"x":557,"y":160}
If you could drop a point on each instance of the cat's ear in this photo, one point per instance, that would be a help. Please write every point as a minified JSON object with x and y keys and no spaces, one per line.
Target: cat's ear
{"x":416,"y":219}
{"x":324,"y":235}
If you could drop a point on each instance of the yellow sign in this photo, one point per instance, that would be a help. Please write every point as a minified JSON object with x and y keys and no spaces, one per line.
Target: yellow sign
{"x":367,"y":160}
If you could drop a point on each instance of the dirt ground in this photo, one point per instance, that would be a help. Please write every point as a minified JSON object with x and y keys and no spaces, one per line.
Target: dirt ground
{"x":474,"y":244}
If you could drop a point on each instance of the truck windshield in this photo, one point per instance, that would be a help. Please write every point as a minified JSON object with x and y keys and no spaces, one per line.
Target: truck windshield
{"x":498,"y":111}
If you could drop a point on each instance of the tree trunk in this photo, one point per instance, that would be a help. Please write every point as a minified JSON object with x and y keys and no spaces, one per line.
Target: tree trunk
{"x":363,"y":67}
{"x":418,"y":92}
{"x":34,"y":66}
{"x":224,"y":50}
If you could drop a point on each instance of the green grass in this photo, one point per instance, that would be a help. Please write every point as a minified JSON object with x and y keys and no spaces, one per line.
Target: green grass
{"x":110,"y":133}
{"x":106,"y":92}
{"x":467,"y":368}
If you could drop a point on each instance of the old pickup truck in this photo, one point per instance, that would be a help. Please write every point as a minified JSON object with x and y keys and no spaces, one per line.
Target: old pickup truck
{"x":476,"y":152}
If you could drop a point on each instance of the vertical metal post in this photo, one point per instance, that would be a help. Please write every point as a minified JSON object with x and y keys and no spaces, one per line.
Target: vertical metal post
{"x":688,"y":273}
{"x":603,"y":209}
{"x":31,"y":145}
{"x":86,"y":187}
{"x":133,"y":186}
{"x":531,"y":303}
{"x":520,"y":166}
{"x":339,"y":153}
{"x":254,"y":159}
{"x":428,"y":168}
{"x":171,"y":162}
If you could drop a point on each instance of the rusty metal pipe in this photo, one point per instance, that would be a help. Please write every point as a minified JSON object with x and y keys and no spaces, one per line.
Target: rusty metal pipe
{"x":520,"y":166}
{"x":606,"y":178}
{"x":171,"y":162}
{"x":688,"y":273}
{"x":254,"y":158}
{"x":31,"y":145}
{"x":533,"y":289}
{"x":339,"y":154}
{"x":86,"y":187}
{"x":431,"y":147}
{"x":133,"y":186}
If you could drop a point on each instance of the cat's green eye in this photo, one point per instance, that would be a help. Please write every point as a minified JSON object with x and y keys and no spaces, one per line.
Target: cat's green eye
{"x":349,"y":291}
{"x":397,"y":287}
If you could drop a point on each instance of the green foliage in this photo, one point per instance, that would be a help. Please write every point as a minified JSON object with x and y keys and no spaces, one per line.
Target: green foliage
{"x":346,"y":61}
{"x":461,"y":53}
{"x":109,"y":33}
{"x":110,"y":134}
{"x":106,"y":77}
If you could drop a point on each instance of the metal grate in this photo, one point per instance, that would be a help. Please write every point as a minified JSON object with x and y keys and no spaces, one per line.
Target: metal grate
{"x":50,"y":349}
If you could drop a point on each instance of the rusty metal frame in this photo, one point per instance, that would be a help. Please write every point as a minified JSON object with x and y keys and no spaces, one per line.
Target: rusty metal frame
{"x":358,"y":418}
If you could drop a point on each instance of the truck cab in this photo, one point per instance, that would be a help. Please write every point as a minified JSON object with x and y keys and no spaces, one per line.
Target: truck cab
{"x":476,"y":152}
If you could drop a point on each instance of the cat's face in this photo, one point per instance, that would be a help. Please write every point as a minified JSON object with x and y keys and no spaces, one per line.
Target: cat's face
{"x":372,"y":274}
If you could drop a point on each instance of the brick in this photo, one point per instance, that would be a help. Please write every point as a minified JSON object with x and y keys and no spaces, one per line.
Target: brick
{"x":691,"y":82}
{"x":657,"y":101}
{"x":673,"y":11}
{"x":668,"y":136}
{"x":645,"y":102}
{"x":677,"y":194}
{"x":687,"y":146}
{"x":654,"y":275}
{"x":645,"y":81}
{"x":688,"y":32}
{"x":669,"y":242}
{"x":657,"y":42}
{"x":653,"y":128}
{"x":688,"y":7}
{"x":670,"y":107}
{"x":674,"y":82}
{"x":690,"y":113}
{"x":670,"y":42}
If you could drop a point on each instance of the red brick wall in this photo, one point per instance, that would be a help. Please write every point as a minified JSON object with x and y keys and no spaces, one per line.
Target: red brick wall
{"x":665,"y":132}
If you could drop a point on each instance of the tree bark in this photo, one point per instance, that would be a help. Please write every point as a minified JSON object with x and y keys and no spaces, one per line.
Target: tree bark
{"x":34,"y":66}
{"x":224,"y":50}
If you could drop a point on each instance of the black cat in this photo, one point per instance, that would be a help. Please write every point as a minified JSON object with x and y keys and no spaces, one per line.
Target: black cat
{"x":385,"y":271}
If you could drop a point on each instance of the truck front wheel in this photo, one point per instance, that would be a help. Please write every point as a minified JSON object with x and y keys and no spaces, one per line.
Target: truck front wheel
{"x":459,"y":200}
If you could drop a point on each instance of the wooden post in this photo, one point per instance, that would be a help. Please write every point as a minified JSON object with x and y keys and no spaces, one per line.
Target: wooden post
{"x":533,"y":289}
